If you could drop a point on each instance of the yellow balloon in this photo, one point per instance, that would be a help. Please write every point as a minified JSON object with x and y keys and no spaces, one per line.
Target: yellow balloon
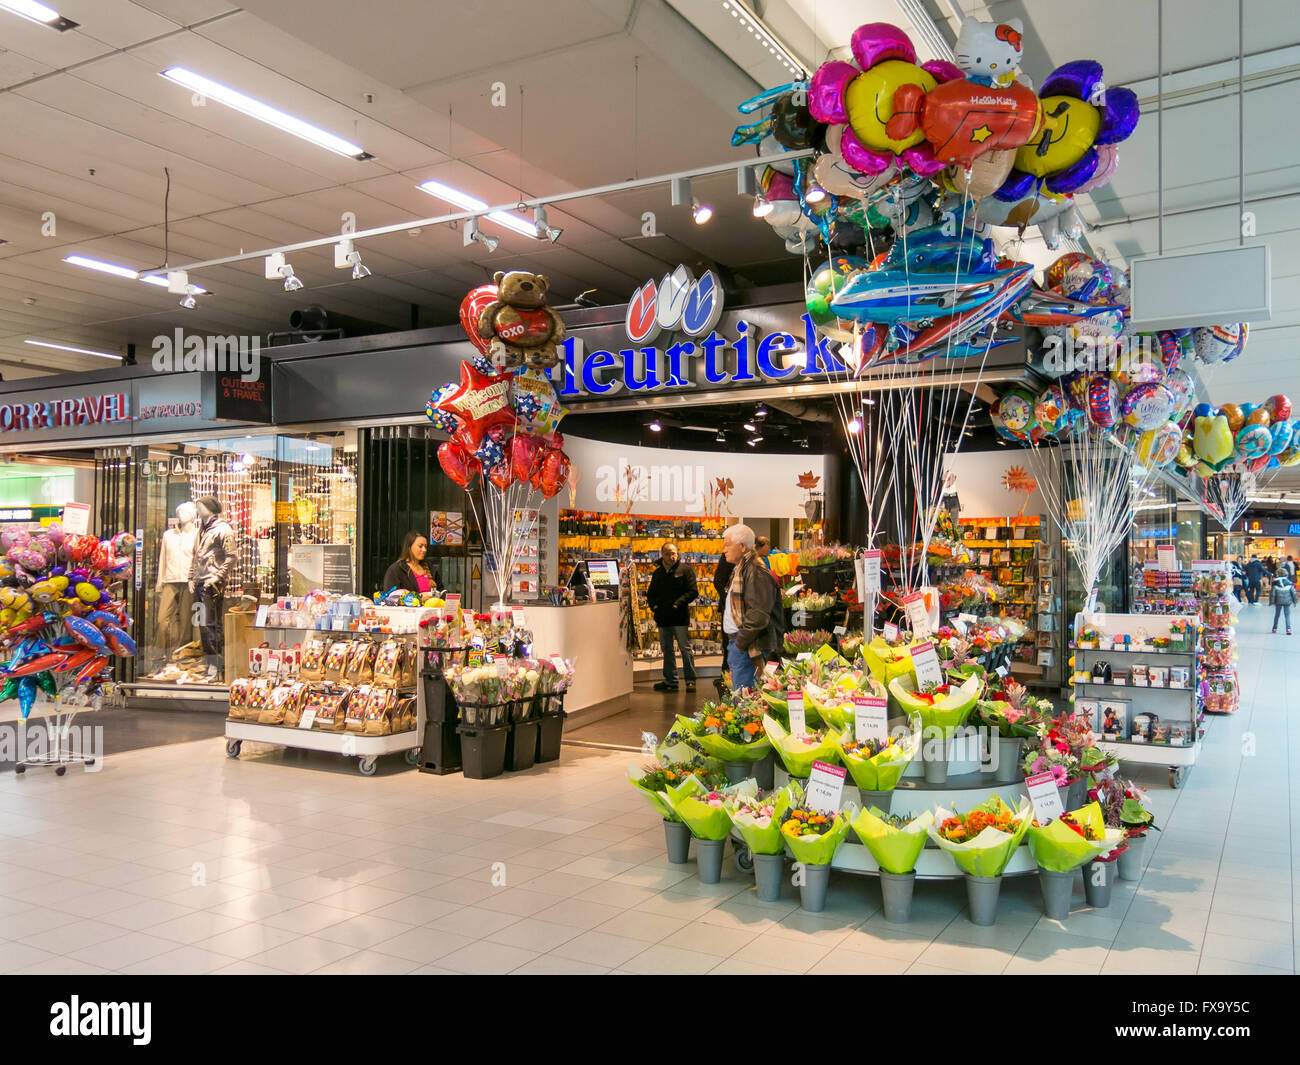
{"x":61,"y":583}
{"x":1213,"y":439}
{"x":1185,"y":458}
{"x":1072,"y":133}
{"x":869,"y":101}
{"x":87,"y":592}
{"x":7,"y":616}
{"x":1289,"y":457}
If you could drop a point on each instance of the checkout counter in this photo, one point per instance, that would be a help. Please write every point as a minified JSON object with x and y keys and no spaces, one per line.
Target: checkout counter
{"x":588,"y":635}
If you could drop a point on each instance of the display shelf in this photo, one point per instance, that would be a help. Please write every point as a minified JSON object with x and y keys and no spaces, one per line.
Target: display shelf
{"x":1132,"y":651}
{"x":364,"y":748}
{"x":1131,"y":687}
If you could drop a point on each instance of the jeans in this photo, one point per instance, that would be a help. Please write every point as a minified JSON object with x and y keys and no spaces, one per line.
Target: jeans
{"x":1252,"y":591}
{"x":682,"y":635}
{"x":742,"y":668}
{"x":212,"y":633}
{"x":1278,"y":612}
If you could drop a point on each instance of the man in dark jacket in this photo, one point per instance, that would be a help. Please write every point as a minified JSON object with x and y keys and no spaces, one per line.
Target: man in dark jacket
{"x":750,"y":609}
{"x":672,"y":590}
{"x":721,"y":582}
{"x":1254,"y":576}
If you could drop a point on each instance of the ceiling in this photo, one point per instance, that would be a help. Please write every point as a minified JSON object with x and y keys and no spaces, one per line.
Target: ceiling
{"x":596,"y":92}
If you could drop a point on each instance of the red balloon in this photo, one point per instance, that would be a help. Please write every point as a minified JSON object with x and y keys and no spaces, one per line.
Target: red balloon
{"x":470,"y":308}
{"x":962,"y":120}
{"x":1256,"y":465}
{"x":481,"y":401}
{"x":457,"y":463}
{"x":526,"y":454}
{"x":501,"y":475}
{"x":555,"y":471}
{"x":1280,"y":407}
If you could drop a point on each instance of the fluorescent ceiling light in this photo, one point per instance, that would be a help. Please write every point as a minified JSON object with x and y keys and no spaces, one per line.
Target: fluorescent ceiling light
{"x":103,"y":267}
{"x":47,"y":16}
{"x":264,"y":112}
{"x":79,"y":351}
{"x":161,"y":282}
{"x":467,"y":202}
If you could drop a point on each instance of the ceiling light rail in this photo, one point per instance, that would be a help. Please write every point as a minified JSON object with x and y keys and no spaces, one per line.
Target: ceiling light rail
{"x":757,"y":162}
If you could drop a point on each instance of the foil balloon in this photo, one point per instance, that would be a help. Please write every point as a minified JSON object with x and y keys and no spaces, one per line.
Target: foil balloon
{"x":838,"y":178}
{"x":13,"y":536}
{"x":442,"y":420}
{"x":961,"y":120}
{"x":1283,"y":432}
{"x":457,"y":463}
{"x":1134,"y":372}
{"x":481,"y":401}
{"x":1235,"y":415}
{"x":1147,"y":405}
{"x":1158,"y":446}
{"x":1278,"y":407}
{"x":1219,"y":343}
{"x":1254,"y":441}
{"x":1107,"y":164}
{"x":1212,"y":439}
{"x":1175,"y":345}
{"x":27,"y":689}
{"x":1289,"y":457}
{"x":1103,"y":401}
{"x":1181,"y":384}
{"x":525,"y":456}
{"x":860,"y":98}
{"x":500,"y":475}
{"x":533,"y":393}
{"x":822,"y":287}
{"x":1016,"y":409}
{"x":554,"y":472}
{"x":475,"y":302}
{"x":118,"y":641}
{"x":1049,"y":407}
{"x":982,"y":178}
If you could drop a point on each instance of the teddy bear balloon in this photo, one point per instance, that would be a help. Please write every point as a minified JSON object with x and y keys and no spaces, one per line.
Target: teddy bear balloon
{"x":518,"y":324}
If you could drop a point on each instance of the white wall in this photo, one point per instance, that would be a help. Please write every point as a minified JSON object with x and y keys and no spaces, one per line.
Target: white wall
{"x":979,"y":481}
{"x":678,"y":481}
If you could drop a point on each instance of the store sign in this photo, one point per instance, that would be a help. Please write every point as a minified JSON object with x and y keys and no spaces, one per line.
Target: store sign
{"x":677,"y":303}
{"x":62,"y":413}
{"x":227,"y":397}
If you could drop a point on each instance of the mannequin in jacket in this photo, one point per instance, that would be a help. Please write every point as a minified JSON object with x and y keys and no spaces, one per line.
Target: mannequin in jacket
{"x":175,"y":601}
{"x":214,"y":558}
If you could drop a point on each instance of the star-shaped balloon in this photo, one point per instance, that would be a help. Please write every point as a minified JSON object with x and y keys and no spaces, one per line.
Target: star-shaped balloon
{"x":481,"y":401}
{"x":491,"y":450}
{"x":527,"y":406}
{"x":482,"y":364}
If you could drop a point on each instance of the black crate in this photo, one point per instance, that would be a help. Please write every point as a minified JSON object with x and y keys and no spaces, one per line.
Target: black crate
{"x":483,"y":751}
{"x":550,"y":734}
{"x":440,"y":751}
{"x":521,"y":746}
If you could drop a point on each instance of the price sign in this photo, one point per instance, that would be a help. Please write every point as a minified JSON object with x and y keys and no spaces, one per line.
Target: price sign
{"x":76,"y":518}
{"x":891,"y":631}
{"x":517,"y":618}
{"x":769,"y":670}
{"x":970,"y":619}
{"x":1045,"y":797}
{"x":986,"y":558}
{"x":870,"y":718}
{"x":840,"y":630}
{"x":803,"y":656}
{"x":260,"y":621}
{"x":917,"y":614}
{"x":453,"y":603}
{"x":871,"y":572}
{"x":825,"y":790}
{"x":859,"y":577}
{"x":1167,"y":558}
{"x":959,"y":624}
{"x":308,"y":718}
{"x":1001,"y":671}
{"x":798,"y":720}
{"x":926,"y":664}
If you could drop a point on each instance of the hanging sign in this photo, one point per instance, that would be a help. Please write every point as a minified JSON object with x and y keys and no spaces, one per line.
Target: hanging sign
{"x":871,"y":572}
{"x":917,"y":614}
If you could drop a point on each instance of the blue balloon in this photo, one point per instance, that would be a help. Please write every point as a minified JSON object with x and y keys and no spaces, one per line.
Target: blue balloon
{"x":1249,"y":408}
{"x":1203,"y":410}
{"x":1282,"y":433}
{"x":26,"y":695}
{"x":1272,"y":464}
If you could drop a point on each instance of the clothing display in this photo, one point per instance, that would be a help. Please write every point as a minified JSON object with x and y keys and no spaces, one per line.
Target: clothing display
{"x":214,"y":557}
{"x":174,"y":617}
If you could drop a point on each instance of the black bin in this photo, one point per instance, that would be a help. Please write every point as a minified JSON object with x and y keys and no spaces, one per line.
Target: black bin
{"x":483,"y":750}
{"x":550,"y":732}
{"x":521,"y":745}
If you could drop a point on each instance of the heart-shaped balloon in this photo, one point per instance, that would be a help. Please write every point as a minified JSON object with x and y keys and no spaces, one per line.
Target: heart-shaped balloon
{"x":555,"y":471}
{"x":470,"y":309}
{"x":525,"y":456}
{"x":501,"y":475}
{"x":457,"y":463}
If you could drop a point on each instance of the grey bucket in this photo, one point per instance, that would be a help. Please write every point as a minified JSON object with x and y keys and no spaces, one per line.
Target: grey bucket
{"x":708,"y":855}
{"x":679,"y":841}
{"x":878,"y":799}
{"x":936,"y":772}
{"x":1057,"y":889}
{"x":982,"y":898}
{"x":738,"y":771}
{"x":768,"y":871}
{"x":763,"y":770}
{"x":896,"y":890}
{"x":812,"y":892}
{"x":1130,"y":862}
{"x":1098,"y":879}
{"x":1008,"y":767}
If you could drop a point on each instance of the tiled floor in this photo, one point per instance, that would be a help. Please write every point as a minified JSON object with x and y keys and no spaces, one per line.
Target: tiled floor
{"x":178,"y":860}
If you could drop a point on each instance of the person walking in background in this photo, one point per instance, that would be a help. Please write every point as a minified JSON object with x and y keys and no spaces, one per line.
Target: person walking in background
{"x":1283,"y":597}
{"x":762,"y":545}
{"x":1289,"y":568}
{"x":721,"y":582}
{"x":751,"y":605}
{"x":1254,"y":576}
{"x":672,"y":590}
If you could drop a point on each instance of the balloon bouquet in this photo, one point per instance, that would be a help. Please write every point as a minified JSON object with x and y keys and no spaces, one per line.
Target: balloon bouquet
{"x":61,"y":622}
{"x":503,"y":415}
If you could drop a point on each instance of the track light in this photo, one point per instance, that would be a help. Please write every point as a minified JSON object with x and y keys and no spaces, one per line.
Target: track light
{"x":701,"y":212}
{"x":277,"y":268}
{"x":474,"y":235}
{"x":867,"y":401}
{"x":815,"y":193}
{"x":655,"y":426}
{"x":762,"y":206}
{"x":545,"y":231}
{"x":803,"y":443}
{"x":746,"y":182}
{"x":681,"y":191}
{"x":345,"y":255}
{"x":750,"y":427}
{"x":189,"y":302}
{"x":760,"y":412}
{"x":855,"y":425}
{"x":754,"y":441}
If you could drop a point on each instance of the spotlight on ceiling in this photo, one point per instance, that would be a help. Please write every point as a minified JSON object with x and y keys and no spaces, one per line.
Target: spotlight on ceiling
{"x":545,"y":231}
{"x":750,"y":427}
{"x":721,"y":437}
{"x":188,"y":301}
{"x":701,"y":212}
{"x":277,"y":268}
{"x":855,"y":425}
{"x":762,"y":206}
{"x":474,"y":235}
{"x":345,"y":255}
{"x":655,"y":426}
{"x":760,"y":412}
{"x":754,"y":441}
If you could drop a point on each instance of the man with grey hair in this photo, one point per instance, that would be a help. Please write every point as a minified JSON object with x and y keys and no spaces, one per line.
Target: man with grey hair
{"x":752,"y":602}
{"x":673,"y":589}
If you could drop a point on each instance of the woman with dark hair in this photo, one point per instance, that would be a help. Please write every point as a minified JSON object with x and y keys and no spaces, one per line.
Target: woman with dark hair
{"x":409,"y":572}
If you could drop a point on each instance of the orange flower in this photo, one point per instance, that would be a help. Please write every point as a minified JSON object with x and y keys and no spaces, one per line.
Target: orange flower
{"x":752,"y":727}
{"x":712,"y":722}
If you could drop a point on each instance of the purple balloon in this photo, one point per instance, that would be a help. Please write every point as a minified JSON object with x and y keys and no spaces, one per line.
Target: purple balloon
{"x":861,"y":158}
{"x":1119,"y":116}
{"x":943,"y":70}
{"x":1078,"y":79}
{"x":1018,"y":185}
{"x":826,"y":100}
{"x":1069,"y":179}
{"x":881,"y":40}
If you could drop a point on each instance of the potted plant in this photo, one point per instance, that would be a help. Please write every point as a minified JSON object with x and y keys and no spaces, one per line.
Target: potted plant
{"x":896,"y":844}
{"x":758,"y":820}
{"x":981,"y":843}
{"x":876,"y":765}
{"x":1010,"y":716}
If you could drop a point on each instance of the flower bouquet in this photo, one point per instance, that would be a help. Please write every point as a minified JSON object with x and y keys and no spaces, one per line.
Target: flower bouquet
{"x":1050,"y":752}
{"x":851,"y":645}
{"x":704,"y":812}
{"x":896,"y":844}
{"x":1124,"y":806}
{"x":812,"y":837}
{"x":797,"y":753}
{"x":482,"y":693}
{"x":981,"y":842}
{"x":1011,"y":716}
{"x":877,"y":765}
{"x":758,"y":820}
{"x":943,"y":708}
{"x":834,"y":704}
{"x":801,"y":642}
{"x":732,"y":731}
{"x":888,"y":659}
{"x":1074,"y":839}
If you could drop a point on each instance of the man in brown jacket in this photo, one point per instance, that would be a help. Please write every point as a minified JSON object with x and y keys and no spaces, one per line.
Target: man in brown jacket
{"x":750,"y":608}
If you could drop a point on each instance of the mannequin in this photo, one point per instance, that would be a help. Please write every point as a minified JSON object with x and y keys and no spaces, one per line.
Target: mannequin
{"x":214,"y":558}
{"x":175,"y":558}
